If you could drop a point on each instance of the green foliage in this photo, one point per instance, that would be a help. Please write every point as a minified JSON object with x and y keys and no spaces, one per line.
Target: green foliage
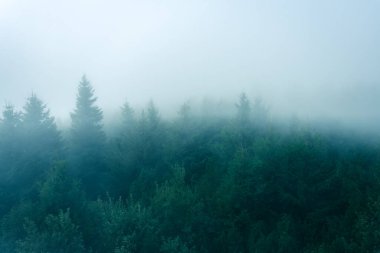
{"x":57,"y":234}
{"x":12,"y":224}
{"x":60,"y":192}
{"x":189,"y":184}
{"x":367,"y":232}
{"x":124,"y":227}
{"x":172,"y":198}
{"x":175,"y":246}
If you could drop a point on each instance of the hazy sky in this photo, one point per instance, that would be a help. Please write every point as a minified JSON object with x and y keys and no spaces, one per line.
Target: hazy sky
{"x":302,"y":56}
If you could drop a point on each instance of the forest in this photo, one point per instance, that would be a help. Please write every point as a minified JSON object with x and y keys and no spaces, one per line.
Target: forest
{"x":193,"y":183}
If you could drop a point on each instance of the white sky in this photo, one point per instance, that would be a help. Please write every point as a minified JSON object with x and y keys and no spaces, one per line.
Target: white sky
{"x":307,"y":57}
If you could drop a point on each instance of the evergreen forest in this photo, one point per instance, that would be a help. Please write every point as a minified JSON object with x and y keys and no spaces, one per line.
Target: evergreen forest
{"x":191,"y":183}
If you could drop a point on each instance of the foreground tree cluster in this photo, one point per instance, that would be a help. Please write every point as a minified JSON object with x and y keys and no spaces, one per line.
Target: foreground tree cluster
{"x":190,"y":184}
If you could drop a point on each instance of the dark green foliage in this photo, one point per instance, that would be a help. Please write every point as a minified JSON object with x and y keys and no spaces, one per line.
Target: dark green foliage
{"x":57,"y":234}
{"x":175,"y":246}
{"x":124,"y":227}
{"x":172,"y":198}
{"x":192,"y":184}
{"x":60,"y":191}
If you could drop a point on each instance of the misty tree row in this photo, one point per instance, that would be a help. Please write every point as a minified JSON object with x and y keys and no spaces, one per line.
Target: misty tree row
{"x":190,"y":184}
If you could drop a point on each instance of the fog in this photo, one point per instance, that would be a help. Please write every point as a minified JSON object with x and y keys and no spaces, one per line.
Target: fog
{"x":314,"y":59}
{"x":189,"y":126}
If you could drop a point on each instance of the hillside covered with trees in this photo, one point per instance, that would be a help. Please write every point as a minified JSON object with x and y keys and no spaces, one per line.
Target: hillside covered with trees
{"x":189,"y":184}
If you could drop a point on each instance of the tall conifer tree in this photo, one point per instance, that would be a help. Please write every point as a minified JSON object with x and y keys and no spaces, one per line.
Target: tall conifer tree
{"x":88,"y":139}
{"x":40,"y":130}
{"x":34,"y":146}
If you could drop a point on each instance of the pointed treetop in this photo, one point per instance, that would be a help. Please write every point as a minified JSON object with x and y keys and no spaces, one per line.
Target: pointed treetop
{"x":128,"y":114}
{"x":85,"y":92}
{"x":244,"y":108}
{"x":153,"y":114}
{"x":86,"y":110}
{"x":35,"y":111}
{"x":86,"y":116}
{"x":11,"y":118}
{"x":9,"y":112}
{"x":184,"y":111}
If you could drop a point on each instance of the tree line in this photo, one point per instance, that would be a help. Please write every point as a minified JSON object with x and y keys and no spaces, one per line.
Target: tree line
{"x":189,"y":184}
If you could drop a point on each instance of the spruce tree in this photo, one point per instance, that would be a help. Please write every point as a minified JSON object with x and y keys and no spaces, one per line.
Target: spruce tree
{"x":10,"y":121}
{"x":10,"y":149}
{"x":9,"y":141}
{"x":88,"y":139}
{"x":40,"y":130}
{"x":129,"y":121}
{"x":34,"y":145}
{"x":243,"y":110}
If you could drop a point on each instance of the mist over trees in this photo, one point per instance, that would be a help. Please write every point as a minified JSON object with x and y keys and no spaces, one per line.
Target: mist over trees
{"x":87,"y":139}
{"x":194,"y":183}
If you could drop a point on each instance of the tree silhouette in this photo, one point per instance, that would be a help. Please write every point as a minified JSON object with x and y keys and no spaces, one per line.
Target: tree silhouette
{"x":243,"y":110}
{"x":87,"y":139}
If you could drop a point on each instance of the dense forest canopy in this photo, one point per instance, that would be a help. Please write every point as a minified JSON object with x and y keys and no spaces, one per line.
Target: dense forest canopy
{"x":195,"y":183}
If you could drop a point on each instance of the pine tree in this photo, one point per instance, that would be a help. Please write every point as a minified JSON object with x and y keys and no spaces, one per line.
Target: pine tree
{"x":123,"y":152}
{"x":10,"y":150}
{"x":244,"y":110}
{"x":260,"y":113}
{"x":41,"y":141}
{"x":10,"y":121}
{"x":40,"y":130}
{"x":184,"y":113}
{"x":31,"y":143}
{"x":88,"y":139}
{"x":153,"y":115}
{"x":129,"y":121}
{"x":9,"y":141}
